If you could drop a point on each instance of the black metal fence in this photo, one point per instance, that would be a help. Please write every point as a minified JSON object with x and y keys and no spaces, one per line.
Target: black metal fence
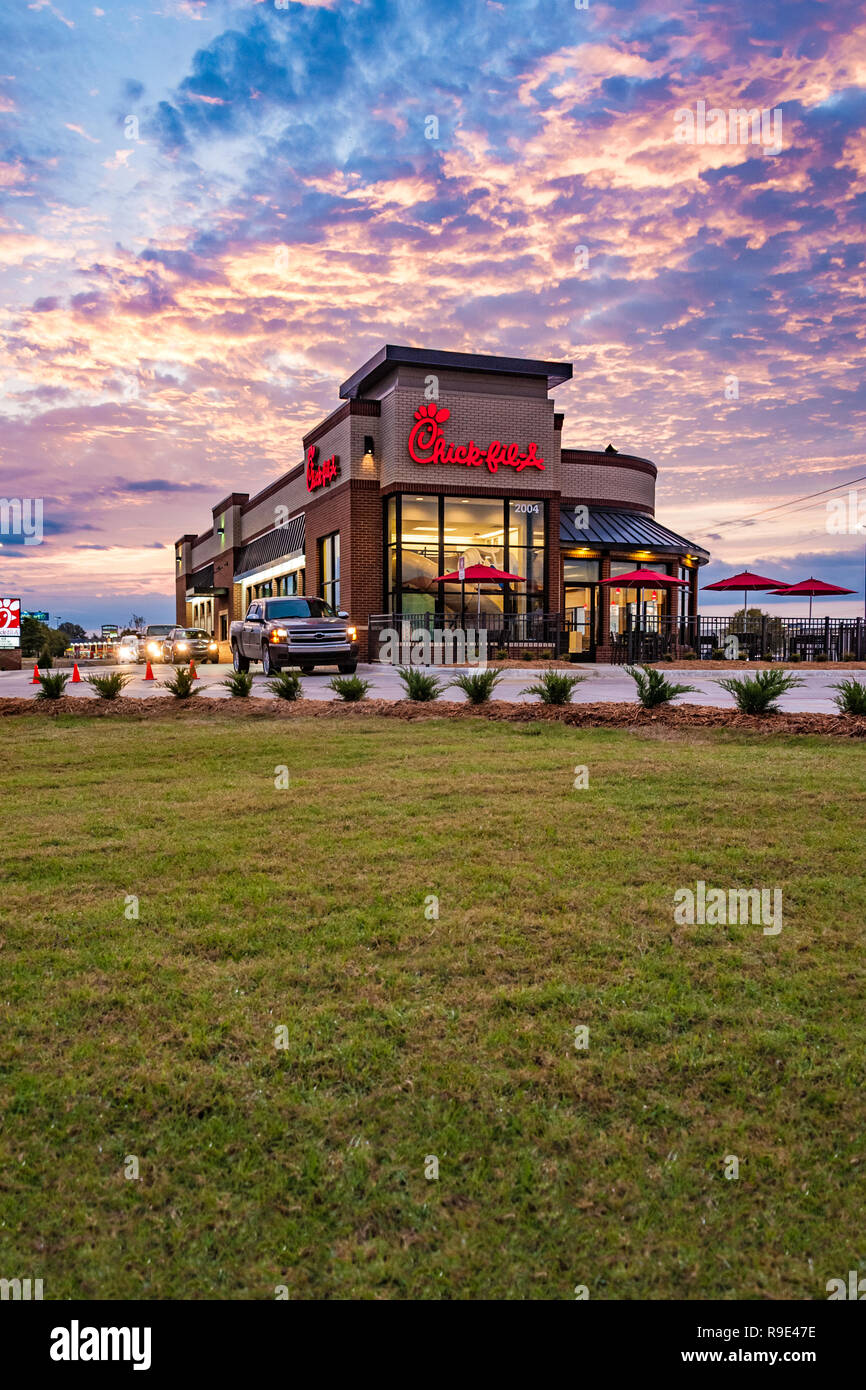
{"x":765,"y":637}
{"x":568,"y":634}
{"x":508,"y":634}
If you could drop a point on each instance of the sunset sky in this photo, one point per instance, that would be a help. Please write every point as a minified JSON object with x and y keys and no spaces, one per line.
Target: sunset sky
{"x":212,"y":213}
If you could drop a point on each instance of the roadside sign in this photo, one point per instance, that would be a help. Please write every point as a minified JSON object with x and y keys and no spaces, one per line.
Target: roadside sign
{"x":110,"y":630}
{"x":38,"y":613}
{"x":10,"y":623}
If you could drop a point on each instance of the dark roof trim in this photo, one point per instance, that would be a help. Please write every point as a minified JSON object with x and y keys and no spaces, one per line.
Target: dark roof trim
{"x":353,"y":407}
{"x":234,"y":499}
{"x":273,"y":487}
{"x":391,"y":356}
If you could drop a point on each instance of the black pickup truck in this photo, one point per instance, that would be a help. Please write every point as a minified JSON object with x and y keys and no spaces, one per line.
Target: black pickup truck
{"x":303,"y":632}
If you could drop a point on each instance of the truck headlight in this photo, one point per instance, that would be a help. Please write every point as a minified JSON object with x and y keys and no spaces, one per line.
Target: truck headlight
{"x":351,"y":634}
{"x":212,"y":647}
{"x":182,"y":646}
{"x":152,"y":649}
{"x":279,"y":634}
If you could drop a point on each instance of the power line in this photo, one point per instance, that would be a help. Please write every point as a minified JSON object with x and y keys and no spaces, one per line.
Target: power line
{"x":738,"y":521}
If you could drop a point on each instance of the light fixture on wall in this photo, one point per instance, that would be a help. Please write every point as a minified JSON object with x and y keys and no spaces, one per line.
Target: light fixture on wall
{"x":369,"y":450}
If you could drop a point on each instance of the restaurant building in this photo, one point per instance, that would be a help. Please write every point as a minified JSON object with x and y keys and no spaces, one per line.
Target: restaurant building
{"x":432,"y":455}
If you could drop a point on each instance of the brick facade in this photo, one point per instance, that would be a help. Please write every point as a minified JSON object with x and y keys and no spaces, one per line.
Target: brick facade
{"x":355,"y":510}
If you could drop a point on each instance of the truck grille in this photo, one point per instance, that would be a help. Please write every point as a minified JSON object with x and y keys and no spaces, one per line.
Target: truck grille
{"x":317,"y":635}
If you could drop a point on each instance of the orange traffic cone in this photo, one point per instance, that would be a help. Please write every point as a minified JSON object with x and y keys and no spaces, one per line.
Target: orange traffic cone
{"x":193,"y":672}
{"x":76,"y":678}
{"x":148,"y":674}
{"x":35,"y":680}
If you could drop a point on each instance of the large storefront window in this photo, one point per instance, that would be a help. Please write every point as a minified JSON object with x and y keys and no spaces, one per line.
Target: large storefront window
{"x":623,"y":601}
{"x":418,"y":548}
{"x":526,"y":550}
{"x":685,"y":573}
{"x":329,"y":569}
{"x":426,"y":535}
{"x":474,"y":527}
{"x":581,"y":602}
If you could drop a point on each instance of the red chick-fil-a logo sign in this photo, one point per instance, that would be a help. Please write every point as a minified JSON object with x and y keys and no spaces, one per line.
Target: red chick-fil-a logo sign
{"x":427,"y":445}
{"x":319,"y":475}
{"x":10,"y":622}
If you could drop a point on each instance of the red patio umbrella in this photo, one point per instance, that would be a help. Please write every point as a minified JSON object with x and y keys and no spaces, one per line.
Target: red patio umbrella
{"x":748,"y":582}
{"x":479,"y":574}
{"x":813,"y":587}
{"x":643,"y":579}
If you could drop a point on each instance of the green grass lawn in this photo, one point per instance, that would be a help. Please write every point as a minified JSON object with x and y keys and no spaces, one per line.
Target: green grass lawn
{"x":409,"y":1036}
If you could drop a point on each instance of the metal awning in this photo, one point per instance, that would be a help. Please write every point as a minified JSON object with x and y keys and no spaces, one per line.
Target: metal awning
{"x":277,"y":544}
{"x":609,"y":529}
{"x":202,"y":585}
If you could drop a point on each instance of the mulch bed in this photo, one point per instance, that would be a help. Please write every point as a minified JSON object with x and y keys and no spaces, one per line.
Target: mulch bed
{"x":605,"y":715}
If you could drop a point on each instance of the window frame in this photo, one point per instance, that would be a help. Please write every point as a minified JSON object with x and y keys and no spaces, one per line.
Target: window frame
{"x":332,"y":542}
{"x":392,"y":593}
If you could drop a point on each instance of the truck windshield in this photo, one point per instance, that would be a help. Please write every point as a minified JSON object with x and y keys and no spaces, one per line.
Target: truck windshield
{"x":159,"y":629}
{"x":299,"y":608}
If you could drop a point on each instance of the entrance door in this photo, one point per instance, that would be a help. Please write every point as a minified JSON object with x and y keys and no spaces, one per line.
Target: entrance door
{"x":580,"y":617}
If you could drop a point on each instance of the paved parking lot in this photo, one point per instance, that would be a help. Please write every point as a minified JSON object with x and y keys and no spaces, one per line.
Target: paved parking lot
{"x":601,"y":683}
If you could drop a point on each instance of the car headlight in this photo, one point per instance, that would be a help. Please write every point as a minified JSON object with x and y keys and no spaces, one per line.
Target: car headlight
{"x":152,"y":649}
{"x":182,"y":646}
{"x":279,"y":634}
{"x":351,"y":634}
{"x":212,"y":647}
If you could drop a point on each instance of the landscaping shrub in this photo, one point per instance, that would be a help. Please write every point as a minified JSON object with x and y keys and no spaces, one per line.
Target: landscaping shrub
{"x":478,"y":686}
{"x":286,"y":686}
{"x":45,"y":661}
{"x":238,"y":684}
{"x":52,"y":687}
{"x":758,"y":694}
{"x":349,"y":688}
{"x":849,"y":656}
{"x":852,"y":696}
{"x":689,"y":655}
{"x":181,"y":683}
{"x":820,"y":656}
{"x":527,"y":656}
{"x":419,"y":685}
{"x":795,"y":656}
{"x":653,"y":689}
{"x":718,"y":654}
{"x":110,"y":685}
{"x":554,"y":687}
